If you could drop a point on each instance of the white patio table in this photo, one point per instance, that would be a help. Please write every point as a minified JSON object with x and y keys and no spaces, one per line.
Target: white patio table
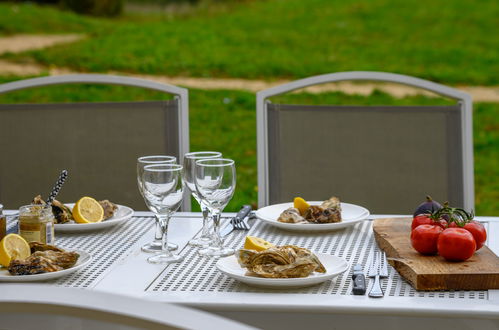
{"x":119,"y":266}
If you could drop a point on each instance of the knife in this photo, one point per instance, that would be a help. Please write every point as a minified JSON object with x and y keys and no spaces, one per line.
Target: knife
{"x":229,"y":227}
{"x":359,"y":280}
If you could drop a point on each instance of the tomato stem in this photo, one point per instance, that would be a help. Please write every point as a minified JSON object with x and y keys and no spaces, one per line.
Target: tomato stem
{"x":457,"y":215}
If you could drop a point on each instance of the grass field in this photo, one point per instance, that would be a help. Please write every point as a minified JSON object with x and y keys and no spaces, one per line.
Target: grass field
{"x":447,"y":41}
{"x":453,"y":42}
{"x":225,"y":120}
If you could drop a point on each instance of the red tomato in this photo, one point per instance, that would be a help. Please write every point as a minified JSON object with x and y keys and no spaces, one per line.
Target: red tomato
{"x":453,"y":225}
{"x":421,"y":219}
{"x":478,"y":231}
{"x":442,"y":223}
{"x":456,"y":244}
{"x":424,"y":219}
{"x":424,"y":238}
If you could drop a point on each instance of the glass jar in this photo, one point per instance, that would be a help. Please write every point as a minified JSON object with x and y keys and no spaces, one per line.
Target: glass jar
{"x":3,"y":223}
{"x":36,"y":223}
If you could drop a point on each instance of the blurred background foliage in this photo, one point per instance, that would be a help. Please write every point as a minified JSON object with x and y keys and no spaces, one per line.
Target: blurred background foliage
{"x":451,"y":42}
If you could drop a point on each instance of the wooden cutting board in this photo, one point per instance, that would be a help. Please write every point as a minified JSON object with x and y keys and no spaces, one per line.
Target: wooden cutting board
{"x":480,"y":272}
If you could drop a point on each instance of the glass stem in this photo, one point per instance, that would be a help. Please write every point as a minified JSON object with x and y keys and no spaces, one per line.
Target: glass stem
{"x":158,"y":232}
{"x":164,"y":219}
{"x":217,"y":239}
{"x":205,"y":232}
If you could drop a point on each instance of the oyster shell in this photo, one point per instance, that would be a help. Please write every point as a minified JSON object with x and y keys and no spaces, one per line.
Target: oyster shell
{"x":32,"y":265}
{"x":37,"y":246}
{"x":332,"y":203}
{"x":317,"y":214}
{"x":60,"y":259}
{"x":109,"y":208}
{"x":287,"y":261}
{"x":291,"y":215}
{"x":62,"y":213}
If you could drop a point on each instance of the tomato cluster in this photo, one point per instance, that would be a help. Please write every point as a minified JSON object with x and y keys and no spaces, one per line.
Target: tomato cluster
{"x":450,"y":232}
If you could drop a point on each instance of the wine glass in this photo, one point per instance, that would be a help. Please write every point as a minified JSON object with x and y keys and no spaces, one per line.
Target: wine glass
{"x":215,"y":183}
{"x":163,"y":191}
{"x":156,"y":245}
{"x":189,"y":174}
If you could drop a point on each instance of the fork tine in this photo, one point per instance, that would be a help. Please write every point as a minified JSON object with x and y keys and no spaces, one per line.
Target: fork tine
{"x":245,"y":224}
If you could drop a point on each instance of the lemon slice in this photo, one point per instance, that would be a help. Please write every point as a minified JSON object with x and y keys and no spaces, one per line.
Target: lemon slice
{"x":12,"y":247}
{"x":88,"y":210}
{"x":301,"y":205}
{"x":256,"y":243}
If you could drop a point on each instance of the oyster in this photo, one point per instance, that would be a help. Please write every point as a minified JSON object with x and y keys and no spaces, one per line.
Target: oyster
{"x":291,"y":215}
{"x":61,"y":259}
{"x":32,"y":265}
{"x":318,"y":214}
{"x":37,"y":246}
{"x":332,"y":203}
{"x":38,"y":200}
{"x":109,"y":208}
{"x":62,"y":213}
{"x":287,"y":261}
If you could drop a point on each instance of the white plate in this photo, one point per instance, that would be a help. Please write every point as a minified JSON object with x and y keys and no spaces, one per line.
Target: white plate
{"x":350,"y":215}
{"x":122,"y":213}
{"x":334,"y":266}
{"x":83,"y":260}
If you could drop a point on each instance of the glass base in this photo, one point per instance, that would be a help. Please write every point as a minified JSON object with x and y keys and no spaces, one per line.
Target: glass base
{"x":216,"y":252}
{"x":156,"y":246}
{"x":200,"y":241}
{"x":165,"y":259}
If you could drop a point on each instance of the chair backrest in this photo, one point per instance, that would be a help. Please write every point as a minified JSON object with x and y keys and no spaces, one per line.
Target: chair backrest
{"x":386,"y":158}
{"x":49,"y":307}
{"x":98,"y":143}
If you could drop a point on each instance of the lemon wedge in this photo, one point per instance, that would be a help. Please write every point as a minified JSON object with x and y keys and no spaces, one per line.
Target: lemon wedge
{"x":88,"y":210}
{"x":301,"y":205}
{"x":12,"y":247}
{"x":256,"y":243}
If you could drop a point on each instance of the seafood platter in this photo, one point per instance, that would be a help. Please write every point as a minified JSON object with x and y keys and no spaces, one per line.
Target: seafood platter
{"x":66,"y":221}
{"x":44,"y":262}
{"x":300,"y":215}
{"x":263,"y":264}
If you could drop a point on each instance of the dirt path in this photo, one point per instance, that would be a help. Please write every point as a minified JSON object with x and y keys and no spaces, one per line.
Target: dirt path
{"x":20,"y":43}
{"x":23,"y":42}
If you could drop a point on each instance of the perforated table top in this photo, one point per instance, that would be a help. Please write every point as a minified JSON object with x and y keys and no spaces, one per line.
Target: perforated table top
{"x":197,"y":275}
{"x":355,"y":244}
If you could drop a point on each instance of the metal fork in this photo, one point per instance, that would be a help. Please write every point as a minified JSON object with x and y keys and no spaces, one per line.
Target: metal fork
{"x":244,"y":223}
{"x":241,"y":224}
{"x":378,"y":269}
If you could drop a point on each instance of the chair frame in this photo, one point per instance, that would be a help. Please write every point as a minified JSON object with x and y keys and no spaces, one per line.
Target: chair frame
{"x":181,"y":94}
{"x":92,"y":305}
{"x":463,"y":99}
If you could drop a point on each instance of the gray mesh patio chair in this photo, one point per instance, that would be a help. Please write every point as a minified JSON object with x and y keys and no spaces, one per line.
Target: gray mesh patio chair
{"x":98,"y":143}
{"x":386,"y":158}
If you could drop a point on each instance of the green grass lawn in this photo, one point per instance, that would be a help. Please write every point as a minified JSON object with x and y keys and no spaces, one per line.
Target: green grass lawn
{"x":225,"y":120}
{"x":454,"y":42}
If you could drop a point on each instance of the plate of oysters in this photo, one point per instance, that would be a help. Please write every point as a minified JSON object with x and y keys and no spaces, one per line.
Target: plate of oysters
{"x":301,"y":215}
{"x":67,"y":219}
{"x":287,"y":266}
{"x":46,"y":262}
